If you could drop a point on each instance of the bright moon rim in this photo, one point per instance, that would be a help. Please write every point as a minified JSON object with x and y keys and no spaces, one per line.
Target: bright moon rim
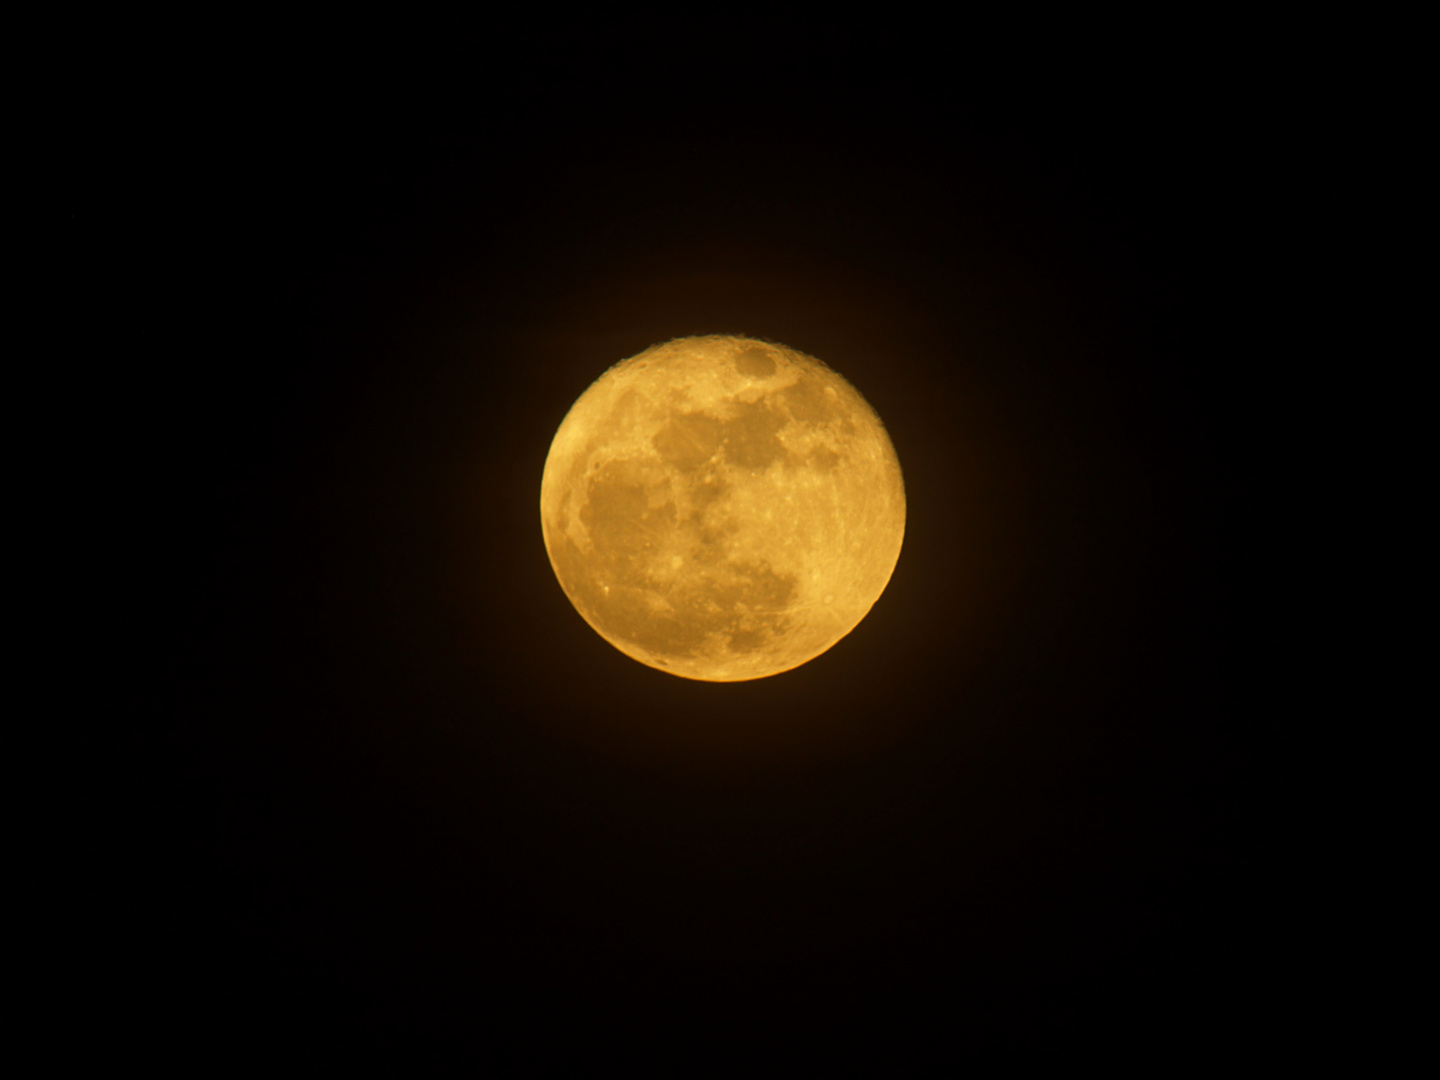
{"x":722,"y":508}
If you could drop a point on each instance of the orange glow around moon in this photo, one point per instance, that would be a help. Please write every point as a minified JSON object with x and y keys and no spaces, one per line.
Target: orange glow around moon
{"x":722,"y":508}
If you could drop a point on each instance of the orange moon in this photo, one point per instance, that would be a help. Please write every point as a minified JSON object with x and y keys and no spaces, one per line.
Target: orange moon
{"x":722,"y":508}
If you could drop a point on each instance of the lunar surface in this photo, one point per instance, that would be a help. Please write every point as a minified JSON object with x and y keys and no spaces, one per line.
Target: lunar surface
{"x":722,"y":508}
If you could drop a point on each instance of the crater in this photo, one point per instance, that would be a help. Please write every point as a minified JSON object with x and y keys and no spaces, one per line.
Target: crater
{"x":746,"y":641}
{"x":748,"y":612}
{"x":808,"y":402}
{"x":756,"y":588}
{"x":688,"y":441}
{"x":624,"y":518}
{"x":705,"y":493}
{"x":631,"y":616}
{"x":750,"y":440}
{"x":756,"y":363}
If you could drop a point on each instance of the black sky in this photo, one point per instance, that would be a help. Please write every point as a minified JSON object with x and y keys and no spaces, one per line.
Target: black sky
{"x":399,"y":786}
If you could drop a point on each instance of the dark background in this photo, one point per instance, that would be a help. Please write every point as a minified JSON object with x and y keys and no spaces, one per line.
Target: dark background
{"x":396,"y":785}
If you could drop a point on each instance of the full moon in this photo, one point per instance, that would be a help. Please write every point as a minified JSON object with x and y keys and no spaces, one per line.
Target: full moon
{"x":722,"y":508}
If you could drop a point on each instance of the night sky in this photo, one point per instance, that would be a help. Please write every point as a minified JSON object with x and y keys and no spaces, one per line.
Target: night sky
{"x":394,"y":788}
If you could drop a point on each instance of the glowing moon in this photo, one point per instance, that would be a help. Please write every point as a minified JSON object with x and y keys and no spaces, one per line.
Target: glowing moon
{"x":722,"y":508}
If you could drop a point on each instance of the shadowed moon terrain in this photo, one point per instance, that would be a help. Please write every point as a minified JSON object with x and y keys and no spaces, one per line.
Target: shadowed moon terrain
{"x":722,"y":508}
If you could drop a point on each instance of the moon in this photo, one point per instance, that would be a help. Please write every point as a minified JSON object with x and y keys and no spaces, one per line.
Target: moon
{"x":722,"y":508}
